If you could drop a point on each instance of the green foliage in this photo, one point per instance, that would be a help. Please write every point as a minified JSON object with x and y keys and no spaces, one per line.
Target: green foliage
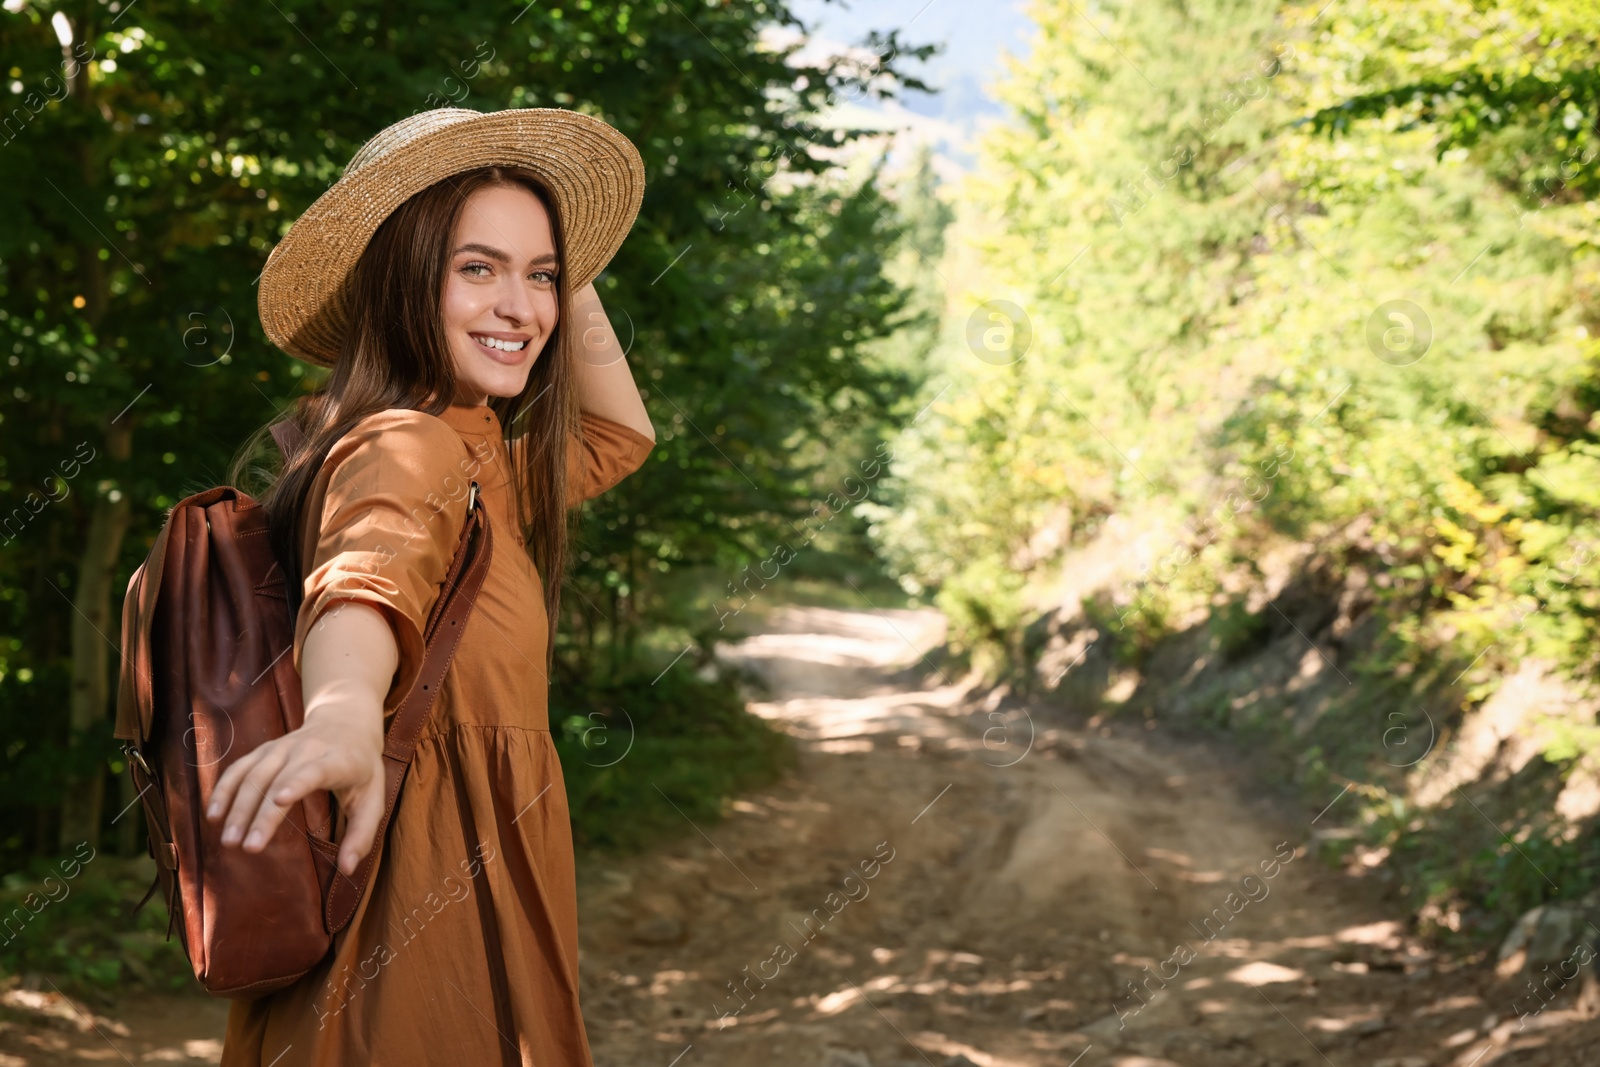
{"x":80,"y":927}
{"x":1237,"y":630}
{"x":1101,"y":215}
{"x":643,"y":759}
{"x":1517,"y":81}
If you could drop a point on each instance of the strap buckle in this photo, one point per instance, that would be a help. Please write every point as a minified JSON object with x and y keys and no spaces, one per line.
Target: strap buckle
{"x":472,"y":498}
{"x":131,"y":750}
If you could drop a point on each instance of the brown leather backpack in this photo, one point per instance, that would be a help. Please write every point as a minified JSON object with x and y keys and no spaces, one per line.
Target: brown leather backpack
{"x":206,"y":678}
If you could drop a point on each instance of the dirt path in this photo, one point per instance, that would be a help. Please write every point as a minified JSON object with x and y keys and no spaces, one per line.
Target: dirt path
{"x":948,"y":885}
{"x":1041,"y":897}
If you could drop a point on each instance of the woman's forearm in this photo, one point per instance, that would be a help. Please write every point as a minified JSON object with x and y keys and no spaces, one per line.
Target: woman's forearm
{"x":348,"y":663}
{"x":605,"y":381}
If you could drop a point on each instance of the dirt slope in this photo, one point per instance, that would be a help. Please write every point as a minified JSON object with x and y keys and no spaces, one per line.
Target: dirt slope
{"x":945,"y":884}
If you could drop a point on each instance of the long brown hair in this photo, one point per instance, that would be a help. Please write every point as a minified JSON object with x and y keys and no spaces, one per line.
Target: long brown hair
{"x":395,"y":355}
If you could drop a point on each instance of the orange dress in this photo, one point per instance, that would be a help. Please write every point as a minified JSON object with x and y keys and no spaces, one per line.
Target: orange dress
{"x":465,"y":947}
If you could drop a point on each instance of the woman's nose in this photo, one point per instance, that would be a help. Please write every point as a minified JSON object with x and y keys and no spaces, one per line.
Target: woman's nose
{"x":515,"y":303}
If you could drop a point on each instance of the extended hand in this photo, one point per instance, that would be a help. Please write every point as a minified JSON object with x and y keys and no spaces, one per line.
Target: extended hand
{"x":341,"y":750}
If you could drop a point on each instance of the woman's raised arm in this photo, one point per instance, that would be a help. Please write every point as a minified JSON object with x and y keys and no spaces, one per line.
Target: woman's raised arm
{"x":605,"y":381}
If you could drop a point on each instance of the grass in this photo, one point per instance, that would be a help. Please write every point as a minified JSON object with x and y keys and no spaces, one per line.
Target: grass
{"x":645,"y":759}
{"x":75,"y":922}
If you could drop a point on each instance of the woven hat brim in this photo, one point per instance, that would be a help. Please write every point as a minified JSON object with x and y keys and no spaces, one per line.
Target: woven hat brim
{"x":593,"y":173}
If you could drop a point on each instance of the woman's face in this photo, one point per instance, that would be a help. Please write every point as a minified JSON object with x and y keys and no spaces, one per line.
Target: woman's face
{"x":499,"y":304}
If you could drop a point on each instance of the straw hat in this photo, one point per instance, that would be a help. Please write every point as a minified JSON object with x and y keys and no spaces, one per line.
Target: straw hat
{"x":593,"y":172}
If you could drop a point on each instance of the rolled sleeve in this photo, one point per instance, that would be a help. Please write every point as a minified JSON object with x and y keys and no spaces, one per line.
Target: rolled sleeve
{"x":393,"y":502}
{"x":601,"y":454}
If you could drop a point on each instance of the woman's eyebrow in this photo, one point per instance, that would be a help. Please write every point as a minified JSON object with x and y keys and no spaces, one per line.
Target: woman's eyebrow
{"x":548,"y":259}
{"x":484,"y":250}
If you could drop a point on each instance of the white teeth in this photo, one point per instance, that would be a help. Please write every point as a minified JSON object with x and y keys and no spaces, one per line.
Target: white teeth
{"x":504,"y":346}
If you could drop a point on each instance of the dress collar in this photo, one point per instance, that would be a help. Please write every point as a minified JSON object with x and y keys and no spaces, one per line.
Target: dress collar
{"x":479,"y":420}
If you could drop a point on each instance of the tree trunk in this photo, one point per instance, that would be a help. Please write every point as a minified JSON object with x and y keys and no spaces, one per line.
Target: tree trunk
{"x":93,"y":626}
{"x":94,"y":623}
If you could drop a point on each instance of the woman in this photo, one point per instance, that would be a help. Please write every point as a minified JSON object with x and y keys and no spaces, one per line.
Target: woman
{"x":446,"y":278}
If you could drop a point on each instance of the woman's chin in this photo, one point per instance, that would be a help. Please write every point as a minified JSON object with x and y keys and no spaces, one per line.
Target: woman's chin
{"x":502,"y":382}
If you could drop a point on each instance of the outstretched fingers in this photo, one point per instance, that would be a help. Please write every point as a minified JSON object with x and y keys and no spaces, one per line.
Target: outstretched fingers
{"x":362,"y":829}
{"x":241,"y":794}
{"x":230,"y":801}
{"x":281,"y":788}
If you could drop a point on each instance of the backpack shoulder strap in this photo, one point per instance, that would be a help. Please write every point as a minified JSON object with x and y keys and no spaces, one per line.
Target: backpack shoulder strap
{"x":446,"y":623}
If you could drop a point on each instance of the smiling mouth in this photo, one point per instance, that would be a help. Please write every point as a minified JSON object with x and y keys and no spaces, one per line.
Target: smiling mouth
{"x":499,"y":345}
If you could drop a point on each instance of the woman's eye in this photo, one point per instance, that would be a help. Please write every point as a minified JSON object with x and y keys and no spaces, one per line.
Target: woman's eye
{"x":474,"y":269}
{"x":544,"y":277}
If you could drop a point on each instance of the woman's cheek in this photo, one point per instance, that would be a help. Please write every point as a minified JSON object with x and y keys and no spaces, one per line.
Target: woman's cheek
{"x":452,"y":311}
{"x":549,"y":312}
